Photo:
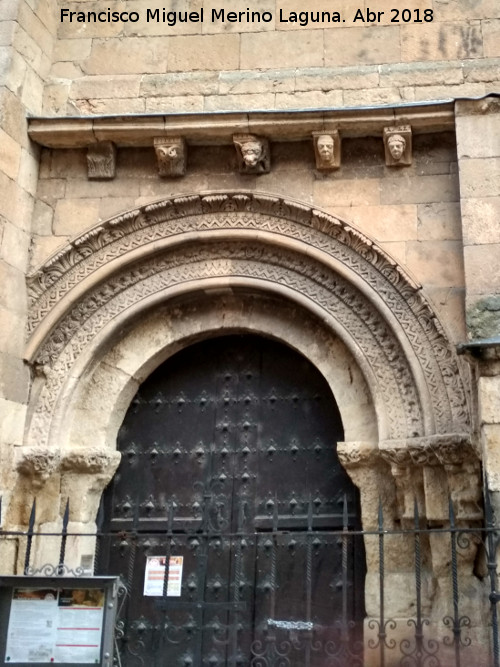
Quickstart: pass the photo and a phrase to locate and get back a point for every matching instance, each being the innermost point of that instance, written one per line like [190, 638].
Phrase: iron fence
[456, 626]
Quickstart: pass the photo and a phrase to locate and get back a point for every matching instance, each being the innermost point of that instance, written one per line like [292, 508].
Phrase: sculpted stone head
[326, 146]
[397, 146]
[253, 154]
[327, 150]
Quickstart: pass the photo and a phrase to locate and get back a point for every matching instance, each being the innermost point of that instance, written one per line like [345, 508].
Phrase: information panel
[59, 621]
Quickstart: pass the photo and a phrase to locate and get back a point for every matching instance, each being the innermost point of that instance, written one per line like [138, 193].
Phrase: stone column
[395, 474]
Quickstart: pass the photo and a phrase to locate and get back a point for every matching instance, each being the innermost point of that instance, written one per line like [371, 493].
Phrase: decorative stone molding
[38, 465]
[171, 153]
[101, 160]
[92, 285]
[253, 153]
[398, 148]
[327, 150]
[209, 128]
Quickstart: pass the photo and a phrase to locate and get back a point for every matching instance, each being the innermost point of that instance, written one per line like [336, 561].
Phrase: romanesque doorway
[229, 474]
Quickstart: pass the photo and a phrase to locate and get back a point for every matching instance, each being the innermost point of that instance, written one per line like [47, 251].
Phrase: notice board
[57, 620]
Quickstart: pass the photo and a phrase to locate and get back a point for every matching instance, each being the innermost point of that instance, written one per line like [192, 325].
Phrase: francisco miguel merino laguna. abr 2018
[172, 18]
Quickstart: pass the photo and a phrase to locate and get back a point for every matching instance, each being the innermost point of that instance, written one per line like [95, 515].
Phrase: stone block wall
[27, 32]
[140, 67]
[478, 136]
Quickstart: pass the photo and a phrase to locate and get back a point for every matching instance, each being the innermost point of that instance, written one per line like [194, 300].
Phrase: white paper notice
[155, 575]
[32, 626]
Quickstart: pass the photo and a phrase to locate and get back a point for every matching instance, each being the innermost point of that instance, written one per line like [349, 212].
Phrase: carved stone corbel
[171, 153]
[37, 465]
[85, 473]
[327, 150]
[398, 146]
[253, 154]
[101, 160]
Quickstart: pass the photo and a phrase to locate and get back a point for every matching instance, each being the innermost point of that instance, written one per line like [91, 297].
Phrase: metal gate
[229, 471]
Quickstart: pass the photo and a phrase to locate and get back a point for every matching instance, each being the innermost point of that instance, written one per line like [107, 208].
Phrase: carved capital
[357, 454]
[171, 153]
[395, 452]
[38, 465]
[398, 146]
[327, 150]
[85, 475]
[91, 461]
[101, 160]
[446, 449]
[253, 154]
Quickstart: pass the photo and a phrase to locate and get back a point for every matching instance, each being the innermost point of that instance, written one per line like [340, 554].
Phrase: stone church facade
[333, 187]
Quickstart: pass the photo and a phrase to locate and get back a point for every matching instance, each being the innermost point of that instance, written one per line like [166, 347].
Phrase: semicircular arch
[108, 277]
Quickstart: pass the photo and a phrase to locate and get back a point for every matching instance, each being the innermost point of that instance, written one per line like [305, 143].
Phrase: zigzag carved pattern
[358, 317]
[245, 211]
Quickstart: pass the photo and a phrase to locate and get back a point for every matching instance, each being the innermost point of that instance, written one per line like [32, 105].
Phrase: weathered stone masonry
[323, 208]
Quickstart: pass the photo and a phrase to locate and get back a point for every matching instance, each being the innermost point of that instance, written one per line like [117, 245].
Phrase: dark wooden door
[229, 461]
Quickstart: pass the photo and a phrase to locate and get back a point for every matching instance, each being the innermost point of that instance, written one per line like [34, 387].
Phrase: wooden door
[229, 463]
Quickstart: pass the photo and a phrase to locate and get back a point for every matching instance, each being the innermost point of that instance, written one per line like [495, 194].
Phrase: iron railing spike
[99, 520]
[32, 516]
[66, 517]
[64, 536]
[451, 512]
[416, 515]
[31, 526]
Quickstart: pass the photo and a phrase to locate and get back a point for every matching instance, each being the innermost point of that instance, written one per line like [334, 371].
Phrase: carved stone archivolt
[108, 276]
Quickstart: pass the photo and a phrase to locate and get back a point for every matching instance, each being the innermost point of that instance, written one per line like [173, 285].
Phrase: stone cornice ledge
[218, 127]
